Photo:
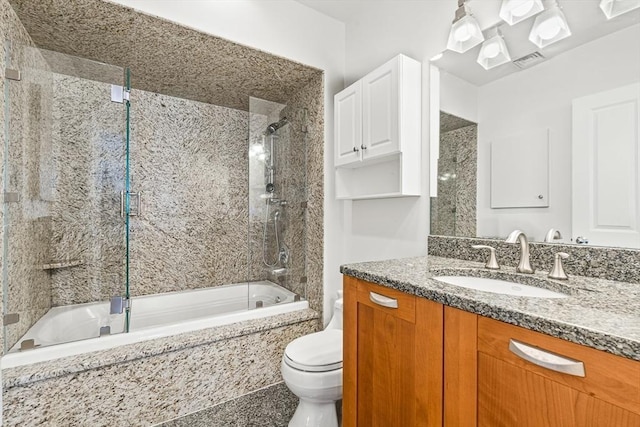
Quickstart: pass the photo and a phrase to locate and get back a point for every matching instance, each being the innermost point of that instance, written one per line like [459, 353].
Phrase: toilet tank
[336, 319]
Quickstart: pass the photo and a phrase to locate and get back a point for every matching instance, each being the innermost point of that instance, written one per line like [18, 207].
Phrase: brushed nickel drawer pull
[546, 359]
[383, 301]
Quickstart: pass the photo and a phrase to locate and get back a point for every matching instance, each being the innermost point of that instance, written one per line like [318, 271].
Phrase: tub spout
[518, 236]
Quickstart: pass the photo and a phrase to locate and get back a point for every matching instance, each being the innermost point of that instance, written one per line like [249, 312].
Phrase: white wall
[285, 28]
[540, 97]
[458, 97]
[394, 228]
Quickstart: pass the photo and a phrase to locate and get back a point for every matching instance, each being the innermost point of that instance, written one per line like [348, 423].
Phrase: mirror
[535, 107]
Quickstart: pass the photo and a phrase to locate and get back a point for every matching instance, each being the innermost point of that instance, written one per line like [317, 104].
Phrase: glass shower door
[66, 199]
[277, 201]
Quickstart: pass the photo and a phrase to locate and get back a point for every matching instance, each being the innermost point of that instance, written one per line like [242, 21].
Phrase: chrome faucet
[524, 266]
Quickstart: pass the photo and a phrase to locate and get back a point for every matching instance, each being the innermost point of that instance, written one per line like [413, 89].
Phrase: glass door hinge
[12, 74]
[8, 197]
[119, 304]
[10, 319]
[119, 94]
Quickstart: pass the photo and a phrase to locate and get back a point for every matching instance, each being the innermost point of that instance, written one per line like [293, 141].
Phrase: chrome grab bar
[547, 359]
[383, 301]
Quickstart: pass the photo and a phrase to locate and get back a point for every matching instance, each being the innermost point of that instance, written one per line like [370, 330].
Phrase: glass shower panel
[277, 200]
[64, 171]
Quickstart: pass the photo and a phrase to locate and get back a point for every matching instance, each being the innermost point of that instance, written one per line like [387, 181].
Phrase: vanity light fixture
[465, 32]
[514, 11]
[613, 8]
[549, 27]
[493, 52]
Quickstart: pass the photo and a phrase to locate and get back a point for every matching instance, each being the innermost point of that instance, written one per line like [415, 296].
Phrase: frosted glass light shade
[493, 53]
[514, 11]
[613, 8]
[465, 34]
[549, 27]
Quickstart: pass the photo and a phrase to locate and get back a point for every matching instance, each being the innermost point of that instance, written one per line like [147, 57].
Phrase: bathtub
[75, 329]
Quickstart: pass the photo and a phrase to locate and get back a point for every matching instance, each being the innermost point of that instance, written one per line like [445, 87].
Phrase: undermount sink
[499, 286]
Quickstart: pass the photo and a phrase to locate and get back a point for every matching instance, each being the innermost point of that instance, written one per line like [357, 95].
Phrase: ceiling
[585, 19]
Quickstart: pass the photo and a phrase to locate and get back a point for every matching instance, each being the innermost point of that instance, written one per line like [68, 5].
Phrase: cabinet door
[392, 358]
[523, 381]
[348, 124]
[488, 383]
[509, 395]
[381, 112]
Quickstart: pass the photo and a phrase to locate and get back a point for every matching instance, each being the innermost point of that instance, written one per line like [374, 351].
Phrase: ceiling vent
[529, 60]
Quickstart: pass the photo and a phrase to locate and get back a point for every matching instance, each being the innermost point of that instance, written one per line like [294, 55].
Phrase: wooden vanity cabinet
[489, 383]
[392, 358]
[410, 362]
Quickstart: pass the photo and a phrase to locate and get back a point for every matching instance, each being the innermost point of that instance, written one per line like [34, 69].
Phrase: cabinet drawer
[608, 377]
[393, 302]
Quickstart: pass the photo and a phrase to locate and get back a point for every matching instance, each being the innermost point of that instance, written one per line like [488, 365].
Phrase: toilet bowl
[312, 369]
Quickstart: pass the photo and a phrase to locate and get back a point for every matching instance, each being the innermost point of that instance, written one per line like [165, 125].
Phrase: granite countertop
[602, 314]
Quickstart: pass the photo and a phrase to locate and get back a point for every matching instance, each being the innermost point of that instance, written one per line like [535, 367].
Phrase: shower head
[273, 127]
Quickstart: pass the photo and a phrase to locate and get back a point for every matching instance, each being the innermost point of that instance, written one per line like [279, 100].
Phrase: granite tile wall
[453, 212]
[599, 262]
[152, 389]
[29, 148]
[190, 161]
[192, 183]
[308, 108]
[165, 57]
[299, 161]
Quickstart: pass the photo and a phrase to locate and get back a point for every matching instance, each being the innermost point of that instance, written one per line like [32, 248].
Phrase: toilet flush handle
[383, 301]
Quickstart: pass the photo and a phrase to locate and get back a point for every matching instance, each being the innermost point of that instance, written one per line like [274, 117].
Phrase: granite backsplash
[620, 264]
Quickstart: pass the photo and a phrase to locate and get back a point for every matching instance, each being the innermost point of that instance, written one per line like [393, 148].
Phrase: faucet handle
[558, 271]
[492, 264]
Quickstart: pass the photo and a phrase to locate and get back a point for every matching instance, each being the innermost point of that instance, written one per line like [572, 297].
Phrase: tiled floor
[269, 407]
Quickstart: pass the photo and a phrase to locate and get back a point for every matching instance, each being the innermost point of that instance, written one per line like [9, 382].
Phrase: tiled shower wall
[29, 221]
[453, 212]
[189, 161]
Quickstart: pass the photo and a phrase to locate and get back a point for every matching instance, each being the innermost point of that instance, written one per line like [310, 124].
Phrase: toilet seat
[318, 352]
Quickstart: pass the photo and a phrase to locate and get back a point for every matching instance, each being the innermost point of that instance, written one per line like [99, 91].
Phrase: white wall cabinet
[377, 133]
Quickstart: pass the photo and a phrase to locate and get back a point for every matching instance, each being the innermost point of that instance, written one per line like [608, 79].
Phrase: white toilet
[312, 369]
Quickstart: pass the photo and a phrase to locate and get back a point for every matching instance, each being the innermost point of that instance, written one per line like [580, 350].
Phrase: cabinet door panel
[619, 385]
[348, 125]
[381, 111]
[386, 346]
[512, 396]
[392, 359]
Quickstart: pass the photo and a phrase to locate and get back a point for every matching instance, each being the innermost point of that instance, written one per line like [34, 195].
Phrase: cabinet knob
[355, 149]
[363, 147]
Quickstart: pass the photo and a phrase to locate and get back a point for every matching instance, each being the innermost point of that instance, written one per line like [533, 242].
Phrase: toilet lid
[319, 352]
